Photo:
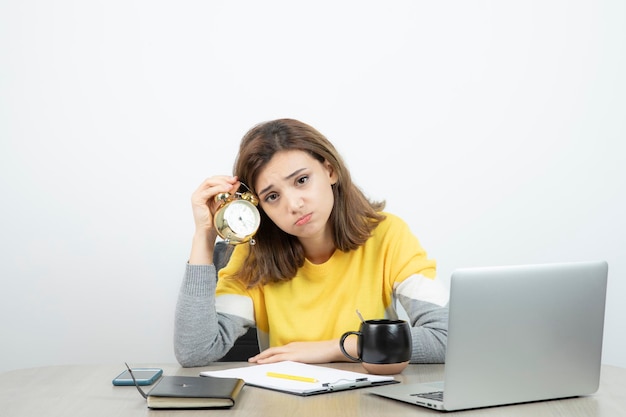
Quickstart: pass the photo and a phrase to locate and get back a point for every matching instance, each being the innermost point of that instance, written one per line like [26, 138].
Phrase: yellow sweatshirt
[320, 302]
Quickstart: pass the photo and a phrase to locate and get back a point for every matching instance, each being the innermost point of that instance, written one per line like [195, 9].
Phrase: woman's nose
[295, 202]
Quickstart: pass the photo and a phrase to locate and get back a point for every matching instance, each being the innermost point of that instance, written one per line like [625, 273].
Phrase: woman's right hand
[204, 206]
[203, 201]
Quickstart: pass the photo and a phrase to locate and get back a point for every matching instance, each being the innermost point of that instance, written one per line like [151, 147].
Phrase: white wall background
[496, 129]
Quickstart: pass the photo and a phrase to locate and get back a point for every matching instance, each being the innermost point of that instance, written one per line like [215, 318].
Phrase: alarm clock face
[242, 217]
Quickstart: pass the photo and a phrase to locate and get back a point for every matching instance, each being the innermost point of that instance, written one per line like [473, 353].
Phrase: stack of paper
[301, 379]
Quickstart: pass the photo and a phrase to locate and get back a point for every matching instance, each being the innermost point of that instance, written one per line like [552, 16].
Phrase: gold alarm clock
[237, 218]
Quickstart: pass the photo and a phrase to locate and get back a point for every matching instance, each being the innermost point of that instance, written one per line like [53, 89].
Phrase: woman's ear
[332, 173]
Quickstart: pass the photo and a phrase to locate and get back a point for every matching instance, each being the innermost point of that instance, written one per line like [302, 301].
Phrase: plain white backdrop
[495, 129]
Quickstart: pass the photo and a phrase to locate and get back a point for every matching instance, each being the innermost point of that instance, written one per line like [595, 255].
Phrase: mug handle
[343, 350]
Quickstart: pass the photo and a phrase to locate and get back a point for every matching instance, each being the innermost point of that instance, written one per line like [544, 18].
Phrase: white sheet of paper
[257, 375]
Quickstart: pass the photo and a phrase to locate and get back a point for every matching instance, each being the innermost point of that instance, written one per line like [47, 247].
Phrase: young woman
[322, 252]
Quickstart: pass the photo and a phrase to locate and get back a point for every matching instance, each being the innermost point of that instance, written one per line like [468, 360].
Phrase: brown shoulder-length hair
[277, 255]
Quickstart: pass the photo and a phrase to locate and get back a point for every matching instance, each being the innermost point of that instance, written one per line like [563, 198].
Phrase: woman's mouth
[304, 219]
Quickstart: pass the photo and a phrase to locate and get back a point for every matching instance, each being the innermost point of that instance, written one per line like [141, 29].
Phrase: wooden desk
[86, 390]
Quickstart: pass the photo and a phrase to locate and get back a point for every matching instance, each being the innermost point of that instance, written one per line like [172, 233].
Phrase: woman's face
[295, 191]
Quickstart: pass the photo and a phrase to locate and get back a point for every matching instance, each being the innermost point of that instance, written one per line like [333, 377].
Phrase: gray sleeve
[201, 335]
[429, 330]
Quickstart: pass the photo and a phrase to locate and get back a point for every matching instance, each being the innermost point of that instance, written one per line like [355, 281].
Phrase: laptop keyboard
[435, 395]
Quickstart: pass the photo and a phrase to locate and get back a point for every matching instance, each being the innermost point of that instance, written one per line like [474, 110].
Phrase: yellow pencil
[292, 377]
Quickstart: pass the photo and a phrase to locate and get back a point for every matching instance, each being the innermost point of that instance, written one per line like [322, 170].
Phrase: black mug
[383, 346]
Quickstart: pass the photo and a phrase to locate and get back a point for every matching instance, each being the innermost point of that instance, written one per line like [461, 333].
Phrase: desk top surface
[86, 390]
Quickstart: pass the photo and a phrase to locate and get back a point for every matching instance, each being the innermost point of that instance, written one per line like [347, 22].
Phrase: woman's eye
[302, 180]
[271, 197]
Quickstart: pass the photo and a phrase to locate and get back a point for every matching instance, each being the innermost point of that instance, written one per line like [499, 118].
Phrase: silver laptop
[518, 334]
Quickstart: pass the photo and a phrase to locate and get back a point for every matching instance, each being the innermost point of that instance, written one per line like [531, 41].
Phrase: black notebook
[194, 392]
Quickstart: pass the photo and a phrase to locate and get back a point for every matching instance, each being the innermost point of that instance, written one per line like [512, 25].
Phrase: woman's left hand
[306, 352]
